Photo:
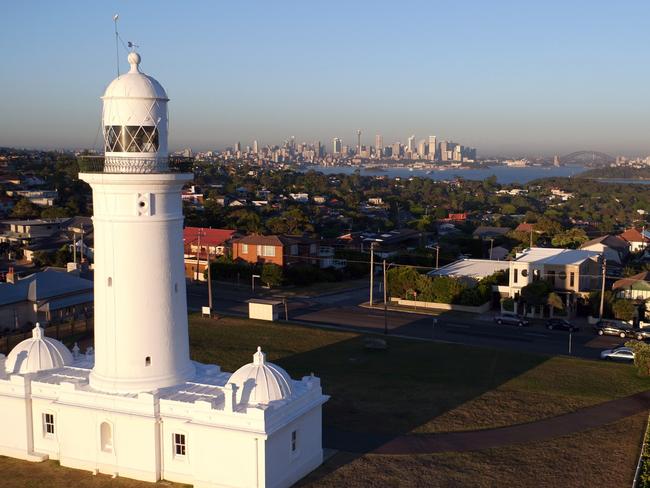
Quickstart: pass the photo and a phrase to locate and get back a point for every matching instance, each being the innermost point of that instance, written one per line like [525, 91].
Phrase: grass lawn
[418, 386]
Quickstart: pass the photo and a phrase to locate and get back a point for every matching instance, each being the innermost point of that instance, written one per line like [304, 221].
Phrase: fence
[57, 331]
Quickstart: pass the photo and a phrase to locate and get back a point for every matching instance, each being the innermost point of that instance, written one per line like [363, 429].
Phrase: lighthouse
[141, 336]
[136, 406]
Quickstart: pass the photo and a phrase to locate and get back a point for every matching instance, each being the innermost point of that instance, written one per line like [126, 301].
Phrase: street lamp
[491, 244]
[437, 248]
[386, 268]
[253, 281]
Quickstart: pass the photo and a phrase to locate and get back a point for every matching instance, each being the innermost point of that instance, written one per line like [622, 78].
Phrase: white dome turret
[37, 354]
[260, 383]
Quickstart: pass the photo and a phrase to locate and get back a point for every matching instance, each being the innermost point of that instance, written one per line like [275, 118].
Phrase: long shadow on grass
[377, 395]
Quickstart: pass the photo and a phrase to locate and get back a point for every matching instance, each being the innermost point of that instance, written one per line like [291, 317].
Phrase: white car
[618, 354]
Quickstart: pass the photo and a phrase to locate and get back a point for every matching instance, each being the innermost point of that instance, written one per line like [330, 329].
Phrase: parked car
[517, 320]
[561, 324]
[606, 327]
[618, 354]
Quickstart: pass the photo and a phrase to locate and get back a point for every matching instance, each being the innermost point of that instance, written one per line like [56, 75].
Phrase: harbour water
[504, 174]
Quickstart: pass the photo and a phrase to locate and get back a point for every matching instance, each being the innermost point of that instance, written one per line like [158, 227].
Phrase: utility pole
[437, 255]
[491, 245]
[198, 253]
[372, 270]
[384, 265]
[531, 235]
[81, 246]
[602, 289]
[209, 284]
[74, 247]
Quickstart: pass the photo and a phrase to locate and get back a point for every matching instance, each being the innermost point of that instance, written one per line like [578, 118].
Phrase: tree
[571, 238]
[641, 357]
[537, 292]
[623, 309]
[272, 274]
[555, 301]
[24, 209]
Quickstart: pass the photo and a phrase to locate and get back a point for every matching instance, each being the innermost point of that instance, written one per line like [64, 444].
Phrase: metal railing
[134, 165]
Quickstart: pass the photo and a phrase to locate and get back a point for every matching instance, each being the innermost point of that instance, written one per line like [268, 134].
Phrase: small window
[269, 251]
[572, 279]
[48, 424]
[179, 444]
[260, 250]
[524, 273]
[106, 437]
[294, 249]
[147, 361]
[110, 281]
[294, 441]
[244, 248]
[515, 275]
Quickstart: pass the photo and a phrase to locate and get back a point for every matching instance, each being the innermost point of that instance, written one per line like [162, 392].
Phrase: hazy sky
[504, 76]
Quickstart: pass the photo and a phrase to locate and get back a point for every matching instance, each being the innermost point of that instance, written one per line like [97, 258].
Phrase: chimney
[11, 276]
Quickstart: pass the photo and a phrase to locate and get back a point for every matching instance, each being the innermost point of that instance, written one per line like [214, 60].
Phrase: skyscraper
[336, 145]
[379, 144]
[238, 147]
[410, 145]
[433, 148]
[422, 148]
[358, 141]
[255, 147]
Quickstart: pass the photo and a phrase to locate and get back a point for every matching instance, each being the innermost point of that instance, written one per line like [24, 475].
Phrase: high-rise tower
[141, 337]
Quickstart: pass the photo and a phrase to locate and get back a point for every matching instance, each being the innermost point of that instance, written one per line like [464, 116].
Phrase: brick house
[276, 249]
[198, 244]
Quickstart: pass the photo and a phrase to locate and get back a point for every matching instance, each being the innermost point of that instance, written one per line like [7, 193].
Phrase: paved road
[578, 421]
[342, 309]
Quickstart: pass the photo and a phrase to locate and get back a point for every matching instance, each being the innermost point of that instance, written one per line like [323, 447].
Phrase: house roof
[261, 240]
[471, 268]
[633, 235]
[484, 230]
[615, 242]
[632, 280]
[43, 285]
[543, 255]
[209, 237]
[525, 227]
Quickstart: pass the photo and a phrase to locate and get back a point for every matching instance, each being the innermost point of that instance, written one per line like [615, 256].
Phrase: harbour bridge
[591, 157]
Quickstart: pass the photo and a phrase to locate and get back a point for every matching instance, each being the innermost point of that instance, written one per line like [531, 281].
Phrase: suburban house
[613, 248]
[638, 242]
[572, 272]
[635, 287]
[24, 231]
[47, 296]
[201, 243]
[276, 249]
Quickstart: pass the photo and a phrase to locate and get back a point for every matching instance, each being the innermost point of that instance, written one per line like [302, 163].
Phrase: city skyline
[508, 79]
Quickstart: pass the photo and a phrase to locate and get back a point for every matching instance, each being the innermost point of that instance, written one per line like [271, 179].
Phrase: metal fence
[59, 331]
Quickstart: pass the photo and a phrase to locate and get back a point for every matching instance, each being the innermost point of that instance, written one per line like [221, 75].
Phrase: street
[343, 310]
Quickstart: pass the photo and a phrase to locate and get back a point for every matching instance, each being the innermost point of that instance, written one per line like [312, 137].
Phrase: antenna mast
[117, 52]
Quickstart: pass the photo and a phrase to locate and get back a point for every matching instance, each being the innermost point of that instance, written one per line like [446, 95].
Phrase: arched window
[106, 437]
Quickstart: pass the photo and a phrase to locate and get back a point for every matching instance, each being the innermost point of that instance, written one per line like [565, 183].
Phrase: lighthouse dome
[37, 354]
[260, 383]
[135, 84]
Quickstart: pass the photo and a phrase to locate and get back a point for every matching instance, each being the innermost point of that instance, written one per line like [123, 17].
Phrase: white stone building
[137, 406]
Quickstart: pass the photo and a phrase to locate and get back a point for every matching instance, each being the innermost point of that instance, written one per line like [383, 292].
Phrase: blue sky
[507, 77]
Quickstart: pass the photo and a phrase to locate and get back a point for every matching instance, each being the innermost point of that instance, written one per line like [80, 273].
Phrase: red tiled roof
[209, 237]
[630, 280]
[633, 235]
[525, 227]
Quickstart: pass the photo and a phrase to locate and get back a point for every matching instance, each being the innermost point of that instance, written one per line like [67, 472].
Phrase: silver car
[618, 354]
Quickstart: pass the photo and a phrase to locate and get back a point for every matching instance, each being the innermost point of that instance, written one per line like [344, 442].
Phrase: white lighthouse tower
[137, 406]
[141, 339]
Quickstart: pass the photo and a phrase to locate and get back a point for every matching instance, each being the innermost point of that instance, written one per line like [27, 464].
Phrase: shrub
[623, 309]
[641, 357]
[271, 274]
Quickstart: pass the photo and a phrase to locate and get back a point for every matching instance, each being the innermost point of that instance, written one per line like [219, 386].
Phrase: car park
[618, 354]
[561, 324]
[511, 319]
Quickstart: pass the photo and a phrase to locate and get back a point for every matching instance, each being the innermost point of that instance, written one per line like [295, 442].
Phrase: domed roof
[135, 84]
[37, 353]
[260, 382]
